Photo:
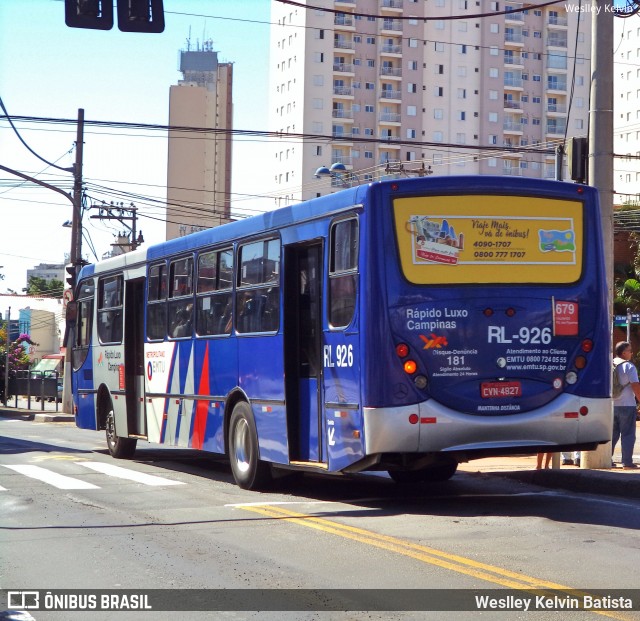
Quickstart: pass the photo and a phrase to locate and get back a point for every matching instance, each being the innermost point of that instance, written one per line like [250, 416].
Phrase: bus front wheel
[120, 448]
[433, 474]
[248, 471]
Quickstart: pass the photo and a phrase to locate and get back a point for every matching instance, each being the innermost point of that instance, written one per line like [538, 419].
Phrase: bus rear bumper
[430, 427]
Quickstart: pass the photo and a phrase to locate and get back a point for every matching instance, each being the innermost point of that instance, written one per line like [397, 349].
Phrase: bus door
[303, 363]
[134, 356]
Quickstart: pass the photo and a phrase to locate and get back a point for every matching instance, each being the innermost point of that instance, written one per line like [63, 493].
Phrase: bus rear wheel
[432, 474]
[248, 471]
[120, 448]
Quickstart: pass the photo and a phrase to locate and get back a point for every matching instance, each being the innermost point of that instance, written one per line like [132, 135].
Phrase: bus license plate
[490, 390]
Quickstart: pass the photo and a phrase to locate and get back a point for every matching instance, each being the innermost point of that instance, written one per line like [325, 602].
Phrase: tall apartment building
[199, 163]
[626, 111]
[471, 90]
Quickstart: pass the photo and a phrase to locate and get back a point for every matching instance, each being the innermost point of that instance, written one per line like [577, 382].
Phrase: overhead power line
[275, 134]
[524, 7]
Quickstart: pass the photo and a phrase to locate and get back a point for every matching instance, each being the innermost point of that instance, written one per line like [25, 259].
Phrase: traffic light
[133, 15]
[71, 278]
[96, 14]
[578, 159]
[140, 15]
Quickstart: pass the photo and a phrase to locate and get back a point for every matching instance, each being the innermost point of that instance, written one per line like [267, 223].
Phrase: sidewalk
[611, 482]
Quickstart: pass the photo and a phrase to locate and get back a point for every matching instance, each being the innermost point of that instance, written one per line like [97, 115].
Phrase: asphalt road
[173, 519]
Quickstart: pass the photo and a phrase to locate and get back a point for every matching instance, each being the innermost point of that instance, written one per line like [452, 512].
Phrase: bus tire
[433, 474]
[248, 471]
[120, 448]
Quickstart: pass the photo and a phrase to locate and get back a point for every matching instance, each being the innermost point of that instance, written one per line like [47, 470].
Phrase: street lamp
[338, 171]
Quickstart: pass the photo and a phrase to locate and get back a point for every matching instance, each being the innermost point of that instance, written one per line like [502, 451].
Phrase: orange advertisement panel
[489, 239]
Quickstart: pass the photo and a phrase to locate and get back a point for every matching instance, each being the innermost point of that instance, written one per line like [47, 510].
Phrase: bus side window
[156, 302]
[214, 302]
[343, 276]
[180, 307]
[258, 300]
[83, 324]
[110, 302]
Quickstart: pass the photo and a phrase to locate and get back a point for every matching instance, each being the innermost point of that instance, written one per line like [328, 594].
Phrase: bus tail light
[487, 312]
[580, 362]
[587, 345]
[410, 367]
[571, 377]
[402, 349]
[510, 312]
[584, 410]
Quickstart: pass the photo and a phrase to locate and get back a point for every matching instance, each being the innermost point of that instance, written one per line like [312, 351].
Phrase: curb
[604, 482]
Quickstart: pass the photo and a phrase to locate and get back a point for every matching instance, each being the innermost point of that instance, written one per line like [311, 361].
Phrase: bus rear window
[489, 239]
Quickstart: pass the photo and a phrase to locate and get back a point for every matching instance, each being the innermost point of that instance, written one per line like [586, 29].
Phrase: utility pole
[601, 162]
[6, 364]
[76, 221]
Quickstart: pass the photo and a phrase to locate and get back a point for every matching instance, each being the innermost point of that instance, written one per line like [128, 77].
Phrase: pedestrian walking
[624, 405]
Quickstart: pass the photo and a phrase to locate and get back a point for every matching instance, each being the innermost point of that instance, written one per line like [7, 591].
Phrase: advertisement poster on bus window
[480, 238]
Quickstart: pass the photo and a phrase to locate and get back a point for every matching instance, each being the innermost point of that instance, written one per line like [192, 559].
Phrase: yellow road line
[425, 554]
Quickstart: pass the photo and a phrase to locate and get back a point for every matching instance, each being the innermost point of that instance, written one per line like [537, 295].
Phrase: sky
[48, 70]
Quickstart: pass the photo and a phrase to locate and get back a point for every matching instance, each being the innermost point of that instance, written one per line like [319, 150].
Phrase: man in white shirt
[624, 407]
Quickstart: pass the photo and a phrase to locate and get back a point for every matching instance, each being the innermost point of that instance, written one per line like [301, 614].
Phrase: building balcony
[342, 113]
[557, 21]
[343, 136]
[512, 171]
[343, 68]
[343, 21]
[395, 5]
[390, 117]
[347, 160]
[513, 105]
[556, 129]
[559, 86]
[391, 72]
[388, 137]
[350, 2]
[391, 49]
[554, 40]
[513, 60]
[343, 91]
[512, 127]
[393, 25]
[388, 94]
[514, 17]
[343, 44]
[514, 38]
[557, 109]
[513, 83]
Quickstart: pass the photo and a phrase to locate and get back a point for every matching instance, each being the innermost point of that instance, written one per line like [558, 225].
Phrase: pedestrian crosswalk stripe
[48, 476]
[126, 473]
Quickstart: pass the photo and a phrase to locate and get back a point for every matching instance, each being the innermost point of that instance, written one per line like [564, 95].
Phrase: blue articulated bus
[403, 325]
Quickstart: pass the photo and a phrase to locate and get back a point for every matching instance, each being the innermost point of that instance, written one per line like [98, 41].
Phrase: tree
[18, 356]
[39, 286]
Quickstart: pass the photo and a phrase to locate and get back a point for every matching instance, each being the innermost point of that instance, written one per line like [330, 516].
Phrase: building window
[438, 91]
